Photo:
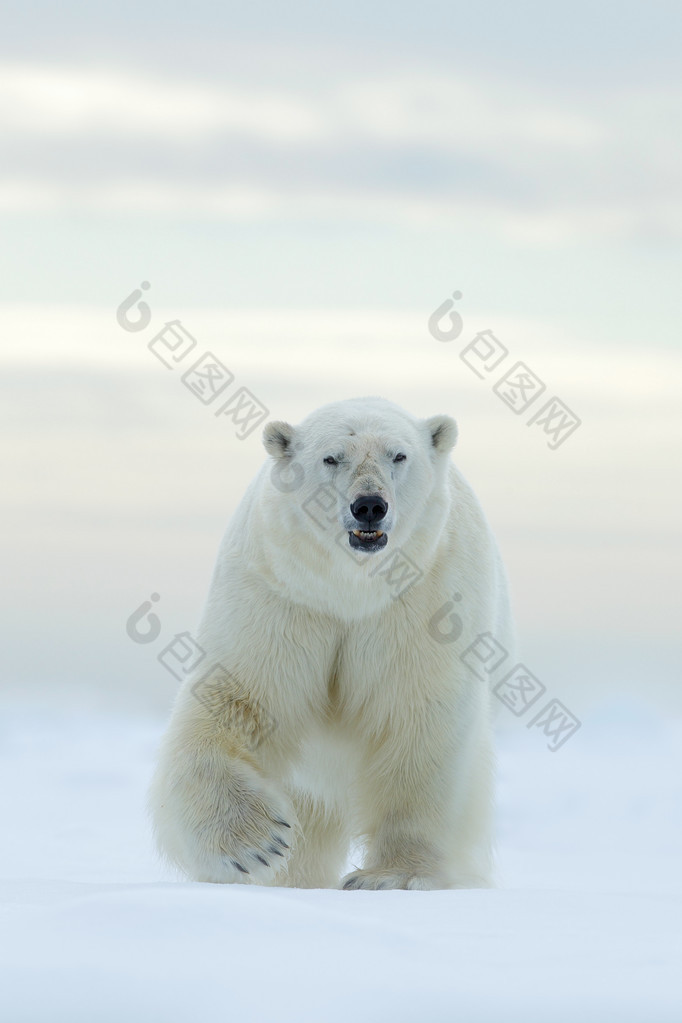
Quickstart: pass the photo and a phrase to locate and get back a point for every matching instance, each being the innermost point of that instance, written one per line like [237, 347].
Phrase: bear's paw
[375, 880]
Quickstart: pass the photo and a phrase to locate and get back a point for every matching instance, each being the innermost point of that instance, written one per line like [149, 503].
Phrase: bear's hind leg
[425, 799]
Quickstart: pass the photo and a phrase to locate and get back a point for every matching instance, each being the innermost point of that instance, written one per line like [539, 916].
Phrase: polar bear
[332, 709]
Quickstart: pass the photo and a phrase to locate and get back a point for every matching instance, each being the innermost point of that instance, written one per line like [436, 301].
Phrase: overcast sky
[303, 185]
[371, 155]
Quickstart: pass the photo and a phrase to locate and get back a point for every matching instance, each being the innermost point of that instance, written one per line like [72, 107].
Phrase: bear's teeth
[376, 533]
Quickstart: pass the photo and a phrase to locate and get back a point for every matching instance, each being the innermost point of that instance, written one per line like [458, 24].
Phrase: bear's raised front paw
[228, 826]
[256, 859]
[374, 880]
[250, 842]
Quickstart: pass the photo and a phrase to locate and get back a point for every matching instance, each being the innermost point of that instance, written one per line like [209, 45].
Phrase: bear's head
[366, 474]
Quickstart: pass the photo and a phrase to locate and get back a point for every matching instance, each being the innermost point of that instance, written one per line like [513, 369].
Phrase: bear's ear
[278, 438]
[443, 432]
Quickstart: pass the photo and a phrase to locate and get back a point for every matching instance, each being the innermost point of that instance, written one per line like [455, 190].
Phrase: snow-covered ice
[586, 924]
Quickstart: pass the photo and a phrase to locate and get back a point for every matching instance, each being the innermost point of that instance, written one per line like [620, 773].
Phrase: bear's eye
[330, 460]
[400, 457]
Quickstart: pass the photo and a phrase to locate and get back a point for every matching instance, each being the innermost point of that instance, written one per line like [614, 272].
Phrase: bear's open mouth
[362, 540]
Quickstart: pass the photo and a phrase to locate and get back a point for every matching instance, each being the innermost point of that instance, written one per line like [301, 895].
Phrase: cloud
[418, 149]
[71, 102]
[442, 112]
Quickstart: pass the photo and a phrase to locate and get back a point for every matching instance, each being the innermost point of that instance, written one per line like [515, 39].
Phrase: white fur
[376, 730]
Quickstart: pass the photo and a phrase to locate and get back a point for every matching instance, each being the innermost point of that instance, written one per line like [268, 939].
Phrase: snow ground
[586, 924]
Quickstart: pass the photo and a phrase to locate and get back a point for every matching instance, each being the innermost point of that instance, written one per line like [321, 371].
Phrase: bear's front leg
[425, 802]
[216, 814]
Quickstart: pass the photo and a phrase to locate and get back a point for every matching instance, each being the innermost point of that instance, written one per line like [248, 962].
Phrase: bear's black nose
[369, 510]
